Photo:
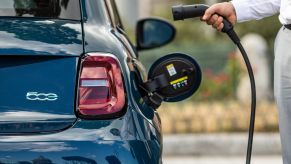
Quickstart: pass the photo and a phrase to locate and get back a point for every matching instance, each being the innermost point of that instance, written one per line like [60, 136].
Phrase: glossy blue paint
[25, 77]
[129, 139]
[53, 135]
[40, 37]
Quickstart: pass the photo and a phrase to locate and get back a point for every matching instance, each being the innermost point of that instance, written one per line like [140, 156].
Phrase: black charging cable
[190, 11]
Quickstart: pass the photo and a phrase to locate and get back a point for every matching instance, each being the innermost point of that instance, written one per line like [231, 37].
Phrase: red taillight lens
[101, 89]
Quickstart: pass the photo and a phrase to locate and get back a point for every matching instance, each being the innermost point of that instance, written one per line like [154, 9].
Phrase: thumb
[209, 12]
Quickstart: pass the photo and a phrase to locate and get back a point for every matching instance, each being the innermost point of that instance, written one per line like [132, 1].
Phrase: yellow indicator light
[179, 80]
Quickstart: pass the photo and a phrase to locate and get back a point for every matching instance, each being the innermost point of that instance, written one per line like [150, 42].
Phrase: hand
[214, 15]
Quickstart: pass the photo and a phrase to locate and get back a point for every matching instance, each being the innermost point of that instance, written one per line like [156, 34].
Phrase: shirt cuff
[242, 9]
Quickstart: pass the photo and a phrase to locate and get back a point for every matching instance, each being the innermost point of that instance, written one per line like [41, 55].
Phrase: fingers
[220, 27]
[211, 16]
[216, 21]
[210, 12]
[212, 20]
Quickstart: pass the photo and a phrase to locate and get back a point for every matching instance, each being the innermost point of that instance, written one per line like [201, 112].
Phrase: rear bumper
[130, 139]
[112, 152]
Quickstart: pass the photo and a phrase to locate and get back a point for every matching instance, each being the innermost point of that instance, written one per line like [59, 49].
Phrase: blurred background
[212, 124]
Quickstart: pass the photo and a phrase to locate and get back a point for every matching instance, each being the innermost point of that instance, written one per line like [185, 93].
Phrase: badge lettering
[35, 96]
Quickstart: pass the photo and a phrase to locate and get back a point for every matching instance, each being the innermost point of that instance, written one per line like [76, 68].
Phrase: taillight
[101, 90]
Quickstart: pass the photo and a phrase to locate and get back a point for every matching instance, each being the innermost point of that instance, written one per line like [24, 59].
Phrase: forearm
[255, 9]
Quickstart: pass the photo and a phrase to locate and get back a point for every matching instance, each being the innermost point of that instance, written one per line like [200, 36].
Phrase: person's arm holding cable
[244, 10]
[240, 11]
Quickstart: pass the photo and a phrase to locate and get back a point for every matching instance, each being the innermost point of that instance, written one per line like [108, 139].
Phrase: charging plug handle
[182, 12]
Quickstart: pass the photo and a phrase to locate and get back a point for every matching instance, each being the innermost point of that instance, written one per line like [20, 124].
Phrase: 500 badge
[35, 96]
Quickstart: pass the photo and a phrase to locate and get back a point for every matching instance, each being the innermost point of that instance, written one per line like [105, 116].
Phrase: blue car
[72, 86]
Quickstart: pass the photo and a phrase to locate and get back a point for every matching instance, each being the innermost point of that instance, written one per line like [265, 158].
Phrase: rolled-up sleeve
[255, 9]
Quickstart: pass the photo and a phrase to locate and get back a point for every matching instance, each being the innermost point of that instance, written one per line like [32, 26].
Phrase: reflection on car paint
[89, 139]
[21, 35]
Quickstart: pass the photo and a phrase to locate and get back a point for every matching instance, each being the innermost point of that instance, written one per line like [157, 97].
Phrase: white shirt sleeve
[285, 15]
[255, 9]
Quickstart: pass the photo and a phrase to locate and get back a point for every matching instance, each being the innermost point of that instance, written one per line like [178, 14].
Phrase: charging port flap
[172, 78]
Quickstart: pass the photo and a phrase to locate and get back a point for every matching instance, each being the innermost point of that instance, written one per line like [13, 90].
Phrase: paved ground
[221, 149]
[191, 145]
[222, 160]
